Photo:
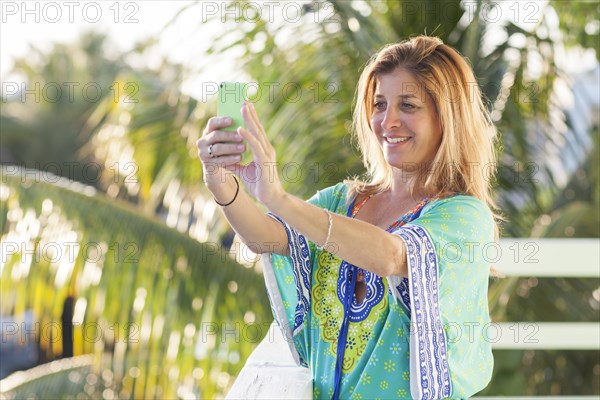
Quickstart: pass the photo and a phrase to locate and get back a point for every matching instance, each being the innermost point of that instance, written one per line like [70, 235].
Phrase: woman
[380, 284]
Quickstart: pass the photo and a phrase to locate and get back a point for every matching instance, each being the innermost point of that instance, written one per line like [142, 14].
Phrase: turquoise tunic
[418, 337]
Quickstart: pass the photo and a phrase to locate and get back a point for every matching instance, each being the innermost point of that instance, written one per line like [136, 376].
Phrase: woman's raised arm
[220, 153]
[348, 237]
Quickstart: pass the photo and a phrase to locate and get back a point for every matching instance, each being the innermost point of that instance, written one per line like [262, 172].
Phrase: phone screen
[231, 97]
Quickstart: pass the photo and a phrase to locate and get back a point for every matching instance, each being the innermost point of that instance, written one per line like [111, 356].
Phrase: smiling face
[405, 120]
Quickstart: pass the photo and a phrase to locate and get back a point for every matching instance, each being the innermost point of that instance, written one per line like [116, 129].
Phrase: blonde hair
[465, 160]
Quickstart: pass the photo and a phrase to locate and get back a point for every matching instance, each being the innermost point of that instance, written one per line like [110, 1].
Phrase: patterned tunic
[422, 337]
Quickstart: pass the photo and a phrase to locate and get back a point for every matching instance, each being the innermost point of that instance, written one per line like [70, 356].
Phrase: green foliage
[580, 23]
[32, 135]
[152, 303]
[124, 112]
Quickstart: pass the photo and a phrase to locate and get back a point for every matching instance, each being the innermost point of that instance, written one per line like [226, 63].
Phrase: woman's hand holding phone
[217, 149]
[221, 147]
[221, 153]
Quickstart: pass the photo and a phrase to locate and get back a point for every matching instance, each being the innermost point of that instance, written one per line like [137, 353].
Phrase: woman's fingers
[253, 142]
[220, 153]
[215, 123]
[219, 143]
[221, 136]
[250, 124]
[225, 149]
[224, 161]
[253, 123]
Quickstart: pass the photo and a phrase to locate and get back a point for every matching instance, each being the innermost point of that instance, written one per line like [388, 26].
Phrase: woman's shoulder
[339, 189]
[459, 215]
[334, 191]
[459, 204]
[331, 196]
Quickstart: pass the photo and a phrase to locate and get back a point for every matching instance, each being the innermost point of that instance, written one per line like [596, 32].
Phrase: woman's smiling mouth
[394, 140]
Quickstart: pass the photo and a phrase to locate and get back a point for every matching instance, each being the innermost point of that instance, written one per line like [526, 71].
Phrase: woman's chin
[407, 166]
[397, 161]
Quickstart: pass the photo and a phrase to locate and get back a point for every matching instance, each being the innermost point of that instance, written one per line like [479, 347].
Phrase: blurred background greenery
[160, 291]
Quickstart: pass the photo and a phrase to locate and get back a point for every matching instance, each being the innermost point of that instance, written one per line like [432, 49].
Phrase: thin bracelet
[237, 190]
[329, 225]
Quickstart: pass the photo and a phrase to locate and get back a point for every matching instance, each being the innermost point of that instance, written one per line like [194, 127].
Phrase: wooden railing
[270, 372]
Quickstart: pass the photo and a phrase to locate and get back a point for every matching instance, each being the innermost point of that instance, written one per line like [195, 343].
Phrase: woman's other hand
[260, 176]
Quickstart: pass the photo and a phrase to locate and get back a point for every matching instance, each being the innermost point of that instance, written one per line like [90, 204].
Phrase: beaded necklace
[401, 221]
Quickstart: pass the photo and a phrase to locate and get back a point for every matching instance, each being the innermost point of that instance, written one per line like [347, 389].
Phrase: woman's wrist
[223, 189]
[237, 190]
[215, 177]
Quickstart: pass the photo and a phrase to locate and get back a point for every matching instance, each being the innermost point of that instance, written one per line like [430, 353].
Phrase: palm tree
[162, 312]
[134, 141]
[68, 82]
[130, 276]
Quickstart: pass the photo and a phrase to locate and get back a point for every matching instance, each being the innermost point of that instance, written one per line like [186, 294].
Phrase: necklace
[358, 206]
[409, 216]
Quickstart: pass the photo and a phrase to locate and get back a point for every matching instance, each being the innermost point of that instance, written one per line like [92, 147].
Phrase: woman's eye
[407, 106]
[379, 106]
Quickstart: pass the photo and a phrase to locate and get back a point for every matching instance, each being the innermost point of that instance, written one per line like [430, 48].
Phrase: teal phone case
[231, 97]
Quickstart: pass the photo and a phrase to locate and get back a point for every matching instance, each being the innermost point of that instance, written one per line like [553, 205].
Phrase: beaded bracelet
[237, 190]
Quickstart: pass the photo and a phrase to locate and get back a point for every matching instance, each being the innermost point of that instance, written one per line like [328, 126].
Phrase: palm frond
[147, 298]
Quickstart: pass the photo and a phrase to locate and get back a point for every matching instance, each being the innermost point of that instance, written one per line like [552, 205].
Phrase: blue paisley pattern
[375, 291]
[429, 338]
[300, 255]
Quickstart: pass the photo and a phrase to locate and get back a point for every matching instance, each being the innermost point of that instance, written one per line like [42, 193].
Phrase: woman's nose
[391, 120]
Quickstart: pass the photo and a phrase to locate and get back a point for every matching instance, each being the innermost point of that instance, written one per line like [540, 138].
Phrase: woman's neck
[400, 188]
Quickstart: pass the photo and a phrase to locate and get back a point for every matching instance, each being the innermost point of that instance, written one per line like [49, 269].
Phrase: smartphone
[231, 97]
